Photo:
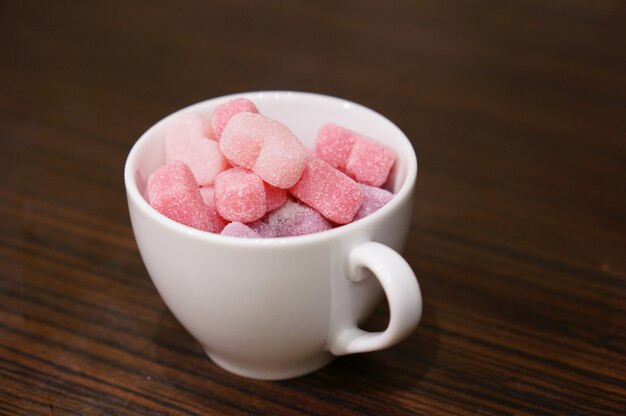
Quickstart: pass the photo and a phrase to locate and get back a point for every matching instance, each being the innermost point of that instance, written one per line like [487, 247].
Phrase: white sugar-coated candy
[265, 146]
[240, 141]
[189, 139]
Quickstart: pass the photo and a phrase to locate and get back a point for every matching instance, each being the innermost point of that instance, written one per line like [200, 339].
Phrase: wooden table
[517, 111]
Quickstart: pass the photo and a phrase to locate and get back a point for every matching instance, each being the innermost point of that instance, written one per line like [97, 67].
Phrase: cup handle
[403, 295]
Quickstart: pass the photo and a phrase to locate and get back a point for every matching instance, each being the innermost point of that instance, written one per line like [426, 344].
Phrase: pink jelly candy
[334, 144]
[327, 190]
[224, 112]
[282, 158]
[188, 139]
[366, 160]
[173, 191]
[274, 197]
[295, 218]
[370, 162]
[240, 195]
[240, 141]
[264, 146]
[374, 198]
[237, 229]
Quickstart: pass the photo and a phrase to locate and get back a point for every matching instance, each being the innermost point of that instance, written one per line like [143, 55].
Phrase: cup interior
[304, 114]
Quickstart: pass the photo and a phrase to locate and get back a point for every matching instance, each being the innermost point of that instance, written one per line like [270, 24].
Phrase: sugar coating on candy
[294, 219]
[327, 190]
[364, 159]
[374, 198]
[242, 138]
[224, 112]
[190, 124]
[370, 161]
[237, 229]
[240, 195]
[338, 184]
[173, 191]
[187, 139]
[274, 197]
[282, 158]
[265, 146]
[333, 144]
[263, 228]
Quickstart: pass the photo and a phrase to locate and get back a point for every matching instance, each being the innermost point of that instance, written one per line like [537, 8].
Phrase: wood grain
[517, 110]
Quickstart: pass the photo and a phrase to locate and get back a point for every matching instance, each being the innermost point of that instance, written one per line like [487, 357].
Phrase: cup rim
[135, 196]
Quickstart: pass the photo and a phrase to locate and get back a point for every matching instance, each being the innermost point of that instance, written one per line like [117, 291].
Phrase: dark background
[516, 109]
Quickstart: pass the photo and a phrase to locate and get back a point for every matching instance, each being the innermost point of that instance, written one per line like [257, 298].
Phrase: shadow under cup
[273, 308]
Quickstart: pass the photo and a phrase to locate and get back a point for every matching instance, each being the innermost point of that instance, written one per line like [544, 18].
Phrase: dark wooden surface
[517, 111]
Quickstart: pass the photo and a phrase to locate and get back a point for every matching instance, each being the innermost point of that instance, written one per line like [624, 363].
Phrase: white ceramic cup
[283, 307]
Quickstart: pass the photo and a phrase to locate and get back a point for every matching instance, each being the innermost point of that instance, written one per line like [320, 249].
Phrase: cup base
[264, 372]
